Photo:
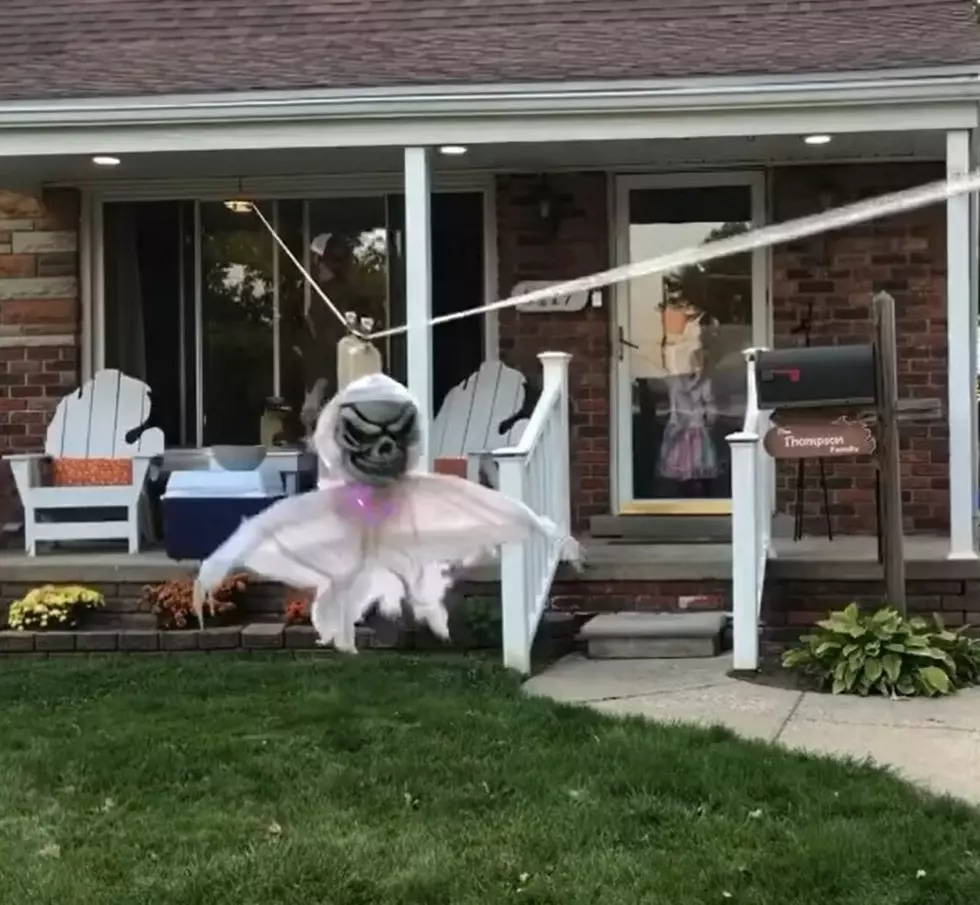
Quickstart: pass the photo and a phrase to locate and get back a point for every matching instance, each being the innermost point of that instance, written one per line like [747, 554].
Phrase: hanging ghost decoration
[377, 530]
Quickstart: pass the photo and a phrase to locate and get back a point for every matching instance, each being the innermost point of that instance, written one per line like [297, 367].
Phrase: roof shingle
[93, 48]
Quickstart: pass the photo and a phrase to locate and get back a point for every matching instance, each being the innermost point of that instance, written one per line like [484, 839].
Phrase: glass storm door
[680, 335]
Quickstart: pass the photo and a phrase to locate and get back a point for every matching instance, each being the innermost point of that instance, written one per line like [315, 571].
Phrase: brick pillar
[838, 273]
[39, 319]
[527, 250]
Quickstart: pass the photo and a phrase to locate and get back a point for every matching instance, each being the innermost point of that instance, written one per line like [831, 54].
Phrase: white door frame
[621, 422]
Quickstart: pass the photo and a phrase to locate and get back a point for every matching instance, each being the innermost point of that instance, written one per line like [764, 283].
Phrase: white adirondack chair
[468, 423]
[91, 423]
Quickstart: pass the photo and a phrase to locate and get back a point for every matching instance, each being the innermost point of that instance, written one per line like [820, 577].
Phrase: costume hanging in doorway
[687, 452]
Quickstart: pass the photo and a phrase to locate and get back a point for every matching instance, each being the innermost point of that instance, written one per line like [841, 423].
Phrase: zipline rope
[761, 237]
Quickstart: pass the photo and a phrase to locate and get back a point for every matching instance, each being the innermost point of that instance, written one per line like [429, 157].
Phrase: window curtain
[125, 329]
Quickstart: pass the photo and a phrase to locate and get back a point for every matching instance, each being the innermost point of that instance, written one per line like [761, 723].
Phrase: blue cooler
[202, 509]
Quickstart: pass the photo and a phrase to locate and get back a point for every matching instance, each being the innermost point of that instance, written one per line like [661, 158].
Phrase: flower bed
[172, 602]
[52, 608]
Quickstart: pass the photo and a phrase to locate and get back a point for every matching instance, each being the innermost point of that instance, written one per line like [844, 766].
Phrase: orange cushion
[451, 465]
[91, 472]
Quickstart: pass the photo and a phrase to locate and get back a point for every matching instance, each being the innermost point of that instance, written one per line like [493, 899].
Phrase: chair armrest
[143, 466]
[26, 469]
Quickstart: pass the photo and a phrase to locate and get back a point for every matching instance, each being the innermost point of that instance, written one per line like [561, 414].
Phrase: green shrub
[476, 622]
[883, 653]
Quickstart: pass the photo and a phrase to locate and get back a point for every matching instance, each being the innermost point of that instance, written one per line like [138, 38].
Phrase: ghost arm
[442, 518]
[300, 541]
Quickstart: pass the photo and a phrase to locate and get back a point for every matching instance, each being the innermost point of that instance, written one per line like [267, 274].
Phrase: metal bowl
[238, 458]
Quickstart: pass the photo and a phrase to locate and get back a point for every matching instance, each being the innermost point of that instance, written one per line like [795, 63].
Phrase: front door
[680, 335]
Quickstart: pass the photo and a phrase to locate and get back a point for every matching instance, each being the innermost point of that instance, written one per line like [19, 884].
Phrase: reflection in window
[687, 329]
[348, 257]
[288, 375]
[237, 313]
[182, 277]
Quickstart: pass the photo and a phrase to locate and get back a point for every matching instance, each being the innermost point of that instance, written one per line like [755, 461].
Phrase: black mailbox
[816, 377]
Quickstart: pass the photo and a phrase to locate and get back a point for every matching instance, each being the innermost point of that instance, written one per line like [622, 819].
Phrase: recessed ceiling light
[817, 139]
[105, 160]
[453, 150]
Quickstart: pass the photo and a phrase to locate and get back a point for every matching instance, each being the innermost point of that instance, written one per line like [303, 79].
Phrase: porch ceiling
[643, 155]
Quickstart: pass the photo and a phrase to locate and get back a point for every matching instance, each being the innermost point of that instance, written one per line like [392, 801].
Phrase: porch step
[662, 529]
[653, 636]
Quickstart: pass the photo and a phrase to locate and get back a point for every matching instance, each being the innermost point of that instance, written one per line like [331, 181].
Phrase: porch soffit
[289, 130]
[328, 172]
[325, 172]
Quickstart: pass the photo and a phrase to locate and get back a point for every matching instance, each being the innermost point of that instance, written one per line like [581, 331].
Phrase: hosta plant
[52, 607]
[881, 652]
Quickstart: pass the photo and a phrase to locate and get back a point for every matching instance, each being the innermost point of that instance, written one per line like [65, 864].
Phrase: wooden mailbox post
[842, 401]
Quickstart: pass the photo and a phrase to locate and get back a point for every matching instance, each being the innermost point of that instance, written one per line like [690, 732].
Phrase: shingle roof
[88, 48]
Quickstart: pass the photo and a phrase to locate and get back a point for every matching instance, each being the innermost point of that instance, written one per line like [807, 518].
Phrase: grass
[387, 779]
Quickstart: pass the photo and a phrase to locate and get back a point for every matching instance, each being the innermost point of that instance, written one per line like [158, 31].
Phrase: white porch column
[418, 288]
[975, 302]
[961, 331]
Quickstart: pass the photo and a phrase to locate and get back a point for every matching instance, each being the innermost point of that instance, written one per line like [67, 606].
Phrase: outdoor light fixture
[104, 160]
[453, 150]
[817, 139]
[239, 206]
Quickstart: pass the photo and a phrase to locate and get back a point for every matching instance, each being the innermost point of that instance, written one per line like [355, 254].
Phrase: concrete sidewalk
[933, 742]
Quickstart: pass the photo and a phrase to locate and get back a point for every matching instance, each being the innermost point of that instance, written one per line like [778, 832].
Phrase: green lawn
[390, 779]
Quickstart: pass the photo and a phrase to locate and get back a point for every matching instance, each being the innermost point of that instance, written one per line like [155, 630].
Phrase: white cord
[313, 283]
[814, 224]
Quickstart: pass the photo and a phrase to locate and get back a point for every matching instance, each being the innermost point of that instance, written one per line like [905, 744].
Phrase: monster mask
[368, 433]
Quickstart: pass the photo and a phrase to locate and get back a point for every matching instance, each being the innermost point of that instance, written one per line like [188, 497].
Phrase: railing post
[554, 366]
[749, 509]
[514, 603]
[745, 551]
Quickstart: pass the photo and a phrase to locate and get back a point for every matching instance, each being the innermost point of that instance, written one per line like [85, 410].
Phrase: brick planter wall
[39, 319]
[125, 624]
[790, 608]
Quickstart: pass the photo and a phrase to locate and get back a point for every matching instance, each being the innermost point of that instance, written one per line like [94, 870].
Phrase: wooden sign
[577, 301]
[812, 439]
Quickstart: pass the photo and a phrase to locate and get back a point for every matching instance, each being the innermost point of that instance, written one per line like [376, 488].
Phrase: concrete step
[653, 636]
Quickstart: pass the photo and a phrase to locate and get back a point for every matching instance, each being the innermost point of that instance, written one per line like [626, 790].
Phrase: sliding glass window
[201, 304]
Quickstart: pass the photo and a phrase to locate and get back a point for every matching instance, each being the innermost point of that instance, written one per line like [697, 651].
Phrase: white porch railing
[752, 508]
[536, 472]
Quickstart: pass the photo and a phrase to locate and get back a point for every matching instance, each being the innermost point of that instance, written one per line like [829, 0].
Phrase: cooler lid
[225, 484]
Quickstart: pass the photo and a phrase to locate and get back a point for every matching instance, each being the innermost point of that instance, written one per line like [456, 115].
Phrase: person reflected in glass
[334, 267]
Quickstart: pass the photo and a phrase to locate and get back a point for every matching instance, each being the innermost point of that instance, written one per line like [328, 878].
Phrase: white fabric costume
[356, 542]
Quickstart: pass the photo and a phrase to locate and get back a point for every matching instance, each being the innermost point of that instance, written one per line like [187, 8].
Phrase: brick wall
[790, 608]
[527, 250]
[838, 273]
[39, 319]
